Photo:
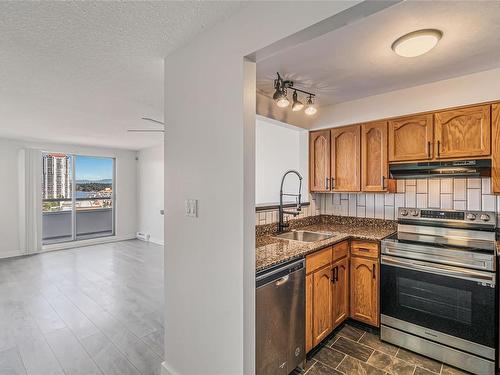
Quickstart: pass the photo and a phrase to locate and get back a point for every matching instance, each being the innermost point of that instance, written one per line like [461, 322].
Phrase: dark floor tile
[329, 356]
[419, 360]
[421, 371]
[448, 370]
[351, 332]
[374, 342]
[321, 369]
[352, 348]
[391, 365]
[352, 366]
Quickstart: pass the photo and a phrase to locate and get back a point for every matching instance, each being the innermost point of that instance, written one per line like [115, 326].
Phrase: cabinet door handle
[383, 182]
[337, 273]
[373, 271]
[429, 148]
[326, 183]
[332, 185]
[333, 275]
[439, 147]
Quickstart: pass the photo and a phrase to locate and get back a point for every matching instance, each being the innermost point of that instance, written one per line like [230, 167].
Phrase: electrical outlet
[191, 207]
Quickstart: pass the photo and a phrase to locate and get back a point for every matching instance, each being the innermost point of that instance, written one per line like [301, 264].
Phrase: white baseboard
[156, 241]
[12, 254]
[152, 240]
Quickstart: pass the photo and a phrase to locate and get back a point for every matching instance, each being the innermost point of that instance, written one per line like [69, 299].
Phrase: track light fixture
[281, 99]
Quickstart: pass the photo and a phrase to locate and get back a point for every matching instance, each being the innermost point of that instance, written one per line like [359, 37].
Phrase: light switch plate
[191, 207]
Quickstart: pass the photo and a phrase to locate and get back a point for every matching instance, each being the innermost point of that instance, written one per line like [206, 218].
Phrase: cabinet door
[341, 292]
[495, 124]
[309, 312]
[319, 161]
[374, 156]
[322, 304]
[345, 159]
[463, 132]
[410, 138]
[364, 290]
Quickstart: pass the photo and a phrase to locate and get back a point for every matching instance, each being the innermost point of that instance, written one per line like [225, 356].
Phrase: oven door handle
[486, 278]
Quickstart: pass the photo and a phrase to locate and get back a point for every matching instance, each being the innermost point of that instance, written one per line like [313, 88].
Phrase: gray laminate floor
[91, 310]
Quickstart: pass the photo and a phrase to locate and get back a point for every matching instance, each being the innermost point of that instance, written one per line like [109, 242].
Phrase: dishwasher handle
[283, 280]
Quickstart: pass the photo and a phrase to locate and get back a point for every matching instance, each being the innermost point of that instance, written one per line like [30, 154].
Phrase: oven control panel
[479, 217]
[446, 215]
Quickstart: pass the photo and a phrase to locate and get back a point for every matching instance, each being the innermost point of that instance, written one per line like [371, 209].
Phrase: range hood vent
[441, 169]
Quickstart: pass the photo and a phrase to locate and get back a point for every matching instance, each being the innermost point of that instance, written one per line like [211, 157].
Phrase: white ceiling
[84, 72]
[357, 61]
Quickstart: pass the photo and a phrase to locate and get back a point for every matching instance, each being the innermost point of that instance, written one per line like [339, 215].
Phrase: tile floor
[354, 351]
[91, 310]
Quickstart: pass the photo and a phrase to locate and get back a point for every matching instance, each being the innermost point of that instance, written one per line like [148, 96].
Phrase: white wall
[12, 190]
[469, 89]
[279, 147]
[150, 175]
[209, 156]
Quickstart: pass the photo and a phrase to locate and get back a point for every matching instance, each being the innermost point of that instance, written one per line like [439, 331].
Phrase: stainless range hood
[441, 169]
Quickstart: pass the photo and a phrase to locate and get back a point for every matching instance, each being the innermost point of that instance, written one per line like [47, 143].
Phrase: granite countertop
[271, 250]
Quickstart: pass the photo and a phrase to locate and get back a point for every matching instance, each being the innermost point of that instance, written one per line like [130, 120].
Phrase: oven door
[452, 300]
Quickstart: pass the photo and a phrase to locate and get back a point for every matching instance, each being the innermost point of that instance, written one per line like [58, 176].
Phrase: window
[78, 198]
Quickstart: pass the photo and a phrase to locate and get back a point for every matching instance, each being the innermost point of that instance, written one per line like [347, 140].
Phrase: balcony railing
[91, 221]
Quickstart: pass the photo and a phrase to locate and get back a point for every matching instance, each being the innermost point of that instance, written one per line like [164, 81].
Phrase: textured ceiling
[84, 72]
[357, 61]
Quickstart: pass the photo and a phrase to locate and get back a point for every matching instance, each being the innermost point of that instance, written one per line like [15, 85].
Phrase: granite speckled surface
[271, 250]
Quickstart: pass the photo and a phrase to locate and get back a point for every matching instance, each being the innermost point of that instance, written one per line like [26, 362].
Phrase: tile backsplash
[446, 193]
[271, 216]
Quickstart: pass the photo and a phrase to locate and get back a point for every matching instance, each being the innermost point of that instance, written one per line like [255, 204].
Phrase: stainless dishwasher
[280, 319]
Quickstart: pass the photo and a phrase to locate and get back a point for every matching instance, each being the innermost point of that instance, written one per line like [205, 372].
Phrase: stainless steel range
[438, 287]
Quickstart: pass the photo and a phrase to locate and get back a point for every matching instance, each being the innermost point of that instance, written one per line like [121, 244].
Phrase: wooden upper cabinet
[374, 165]
[495, 137]
[322, 316]
[463, 132]
[319, 160]
[364, 290]
[410, 138]
[345, 158]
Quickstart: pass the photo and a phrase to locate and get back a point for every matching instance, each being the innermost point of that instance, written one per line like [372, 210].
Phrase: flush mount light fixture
[417, 42]
[281, 99]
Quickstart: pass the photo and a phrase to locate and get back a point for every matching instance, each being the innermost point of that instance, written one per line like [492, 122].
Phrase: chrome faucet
[281, 223]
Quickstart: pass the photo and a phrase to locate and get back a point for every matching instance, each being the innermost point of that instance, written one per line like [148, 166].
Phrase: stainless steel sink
[304, 236]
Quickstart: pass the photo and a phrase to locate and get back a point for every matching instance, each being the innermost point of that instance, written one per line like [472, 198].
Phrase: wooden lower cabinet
[322, 304]
[340, 291]
[364, 290]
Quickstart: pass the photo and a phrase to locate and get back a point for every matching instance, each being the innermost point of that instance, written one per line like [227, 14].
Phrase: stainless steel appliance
[280, 319]
[437, 288]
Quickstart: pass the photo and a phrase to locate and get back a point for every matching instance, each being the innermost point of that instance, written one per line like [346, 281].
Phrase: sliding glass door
[78, 199]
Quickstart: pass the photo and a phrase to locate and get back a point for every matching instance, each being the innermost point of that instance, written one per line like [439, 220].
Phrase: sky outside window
[88, 168]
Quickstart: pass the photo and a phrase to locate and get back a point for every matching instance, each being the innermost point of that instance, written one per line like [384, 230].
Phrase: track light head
[311, 108]
[297, 105]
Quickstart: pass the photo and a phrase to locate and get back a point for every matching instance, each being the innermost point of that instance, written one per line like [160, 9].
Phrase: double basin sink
[303, 236]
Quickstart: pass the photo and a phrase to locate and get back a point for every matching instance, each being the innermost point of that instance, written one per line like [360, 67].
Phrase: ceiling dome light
[297, 105]
[417, 42]
[310, 109]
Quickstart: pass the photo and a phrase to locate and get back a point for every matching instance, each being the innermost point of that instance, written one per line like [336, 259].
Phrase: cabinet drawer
[340, 250]
[365, 248]
[318, 259]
